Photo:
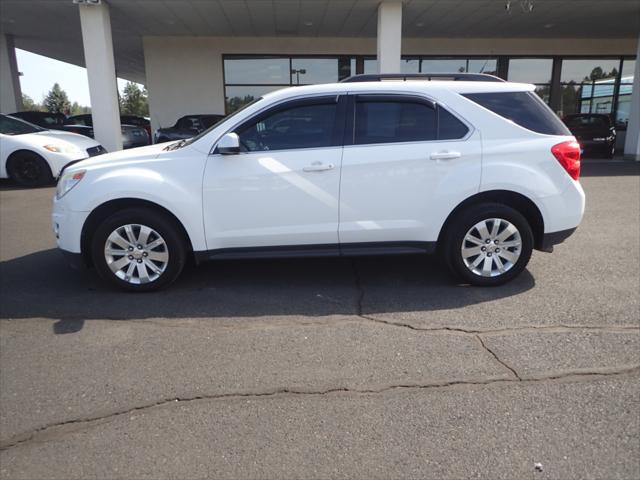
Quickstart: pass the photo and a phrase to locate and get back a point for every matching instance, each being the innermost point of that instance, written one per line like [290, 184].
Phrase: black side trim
[554, 238]
[327, 250]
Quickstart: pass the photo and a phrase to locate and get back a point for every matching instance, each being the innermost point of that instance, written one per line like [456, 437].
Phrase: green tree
[77, 109]
[134, 100]
[29, 105]
[56, 101]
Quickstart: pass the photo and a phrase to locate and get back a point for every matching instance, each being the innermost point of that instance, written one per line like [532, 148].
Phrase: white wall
[184, 74]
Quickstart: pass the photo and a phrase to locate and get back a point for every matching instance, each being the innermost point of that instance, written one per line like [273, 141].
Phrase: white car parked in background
[480, 171]
[32, 156]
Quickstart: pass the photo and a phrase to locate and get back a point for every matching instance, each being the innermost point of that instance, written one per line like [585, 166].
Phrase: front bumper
[67, 226]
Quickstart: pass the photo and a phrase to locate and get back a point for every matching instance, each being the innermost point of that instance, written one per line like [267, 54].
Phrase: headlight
[67, 182]
[63, 148]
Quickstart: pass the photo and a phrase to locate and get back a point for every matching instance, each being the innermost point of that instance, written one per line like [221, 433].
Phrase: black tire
[464, 221]
[157, 221]
[28, 169]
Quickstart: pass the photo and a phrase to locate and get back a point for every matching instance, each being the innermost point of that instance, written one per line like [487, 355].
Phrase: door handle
[319, 167]
[445, 155]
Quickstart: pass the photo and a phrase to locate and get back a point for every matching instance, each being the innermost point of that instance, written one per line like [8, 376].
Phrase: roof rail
[464, 77]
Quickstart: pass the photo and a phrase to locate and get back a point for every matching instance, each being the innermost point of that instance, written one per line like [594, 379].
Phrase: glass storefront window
[530, 70]
[305, 71]
[238, 95]
[272, 71]
[579, 71]
[459, 65]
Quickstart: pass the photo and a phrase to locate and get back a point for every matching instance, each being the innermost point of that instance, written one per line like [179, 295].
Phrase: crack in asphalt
[498, 359]
[53, 430]
[471, 331]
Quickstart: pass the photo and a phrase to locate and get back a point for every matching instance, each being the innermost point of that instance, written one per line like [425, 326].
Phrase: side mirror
[229, 144]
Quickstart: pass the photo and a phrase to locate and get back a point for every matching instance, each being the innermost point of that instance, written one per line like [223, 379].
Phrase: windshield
[189, 141]
[14, 126]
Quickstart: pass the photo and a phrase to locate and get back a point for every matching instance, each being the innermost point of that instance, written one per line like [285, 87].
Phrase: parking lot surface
[350, 368]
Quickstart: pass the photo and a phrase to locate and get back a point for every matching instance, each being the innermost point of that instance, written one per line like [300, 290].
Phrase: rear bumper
[554, 238]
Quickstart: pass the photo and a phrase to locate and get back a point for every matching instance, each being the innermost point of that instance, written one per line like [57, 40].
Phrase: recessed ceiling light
[308, 23]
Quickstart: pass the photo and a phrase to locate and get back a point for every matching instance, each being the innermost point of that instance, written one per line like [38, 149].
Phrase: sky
[40, 73]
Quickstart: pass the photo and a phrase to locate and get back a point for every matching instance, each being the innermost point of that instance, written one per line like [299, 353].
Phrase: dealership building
[212, 56]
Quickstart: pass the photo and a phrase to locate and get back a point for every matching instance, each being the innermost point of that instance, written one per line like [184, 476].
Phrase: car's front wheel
[488, 244]
[138, 249]
[28, 169]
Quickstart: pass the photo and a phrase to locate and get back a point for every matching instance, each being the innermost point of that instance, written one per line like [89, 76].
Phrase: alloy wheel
[136, 254]
[491, 247]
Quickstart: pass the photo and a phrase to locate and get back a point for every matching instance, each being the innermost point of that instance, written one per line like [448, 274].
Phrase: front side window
[13, 126]
[522, 108]
[299, 126]
[389, 121]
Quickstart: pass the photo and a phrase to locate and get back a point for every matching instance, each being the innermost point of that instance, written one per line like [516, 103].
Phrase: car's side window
[449, 127]
[299, 125]
[387, 120]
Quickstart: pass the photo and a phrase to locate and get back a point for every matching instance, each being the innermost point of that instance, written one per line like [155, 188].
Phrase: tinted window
[302, 126]
[523, 108]
[394, 121]
[13, 126]
[588, 121]
[188, 123]
[449, 127]
[81, 120]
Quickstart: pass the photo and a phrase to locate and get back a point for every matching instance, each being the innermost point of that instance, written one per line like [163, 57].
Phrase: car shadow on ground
[42, 285]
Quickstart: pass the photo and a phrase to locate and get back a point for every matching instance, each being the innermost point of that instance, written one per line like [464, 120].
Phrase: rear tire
[487, 244]
[139, 250]
[28, 169]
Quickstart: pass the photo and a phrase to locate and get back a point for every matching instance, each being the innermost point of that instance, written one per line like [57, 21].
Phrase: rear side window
[394, 121]
[449, 127]
[523, 108]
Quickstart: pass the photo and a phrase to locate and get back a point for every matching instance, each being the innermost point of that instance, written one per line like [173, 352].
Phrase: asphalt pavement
[317, 368]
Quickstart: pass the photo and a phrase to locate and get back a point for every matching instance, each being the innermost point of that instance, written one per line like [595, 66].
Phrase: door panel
[399, 192]
[269, 199]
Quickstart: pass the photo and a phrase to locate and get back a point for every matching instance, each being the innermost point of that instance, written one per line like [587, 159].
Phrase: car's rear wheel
[28, 169]
[139, 250]
[488, 244]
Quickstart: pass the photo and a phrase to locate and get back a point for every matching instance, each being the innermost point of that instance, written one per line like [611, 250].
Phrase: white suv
[477, 169]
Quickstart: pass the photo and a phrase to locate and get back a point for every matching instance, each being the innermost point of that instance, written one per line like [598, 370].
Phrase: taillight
[568, 154]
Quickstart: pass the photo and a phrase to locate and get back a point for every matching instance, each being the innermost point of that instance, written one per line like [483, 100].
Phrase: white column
[632, 140]
[389, 36]
[103, 87]
[10, 94]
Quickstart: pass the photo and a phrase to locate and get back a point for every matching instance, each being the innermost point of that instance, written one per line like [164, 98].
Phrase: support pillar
[10, 94]
[632, 140]
[389, 36]
[103, 87]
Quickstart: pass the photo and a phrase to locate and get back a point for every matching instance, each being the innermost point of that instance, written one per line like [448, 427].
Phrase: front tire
[488, 244]
[138, 250]
[28, 169]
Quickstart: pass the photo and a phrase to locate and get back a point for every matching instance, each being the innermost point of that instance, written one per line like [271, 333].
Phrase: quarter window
[300, 126]
[523, 108]
[394, 121]
[449, 127]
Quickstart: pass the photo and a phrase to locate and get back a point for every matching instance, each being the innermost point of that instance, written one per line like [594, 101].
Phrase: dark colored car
[186, 127]
[137, 121]
[132, 135]
[53, 121]
[595, 133]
